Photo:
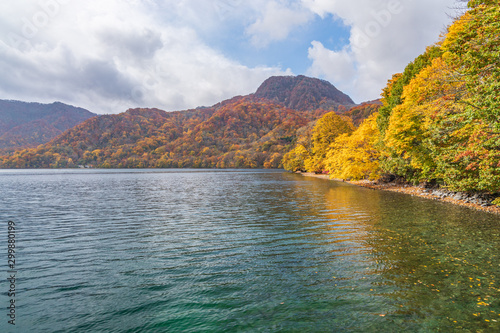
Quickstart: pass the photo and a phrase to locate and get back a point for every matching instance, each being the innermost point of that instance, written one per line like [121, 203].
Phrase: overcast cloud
[109, 55]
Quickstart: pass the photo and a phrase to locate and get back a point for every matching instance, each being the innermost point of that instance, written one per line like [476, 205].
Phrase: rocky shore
[479, 201]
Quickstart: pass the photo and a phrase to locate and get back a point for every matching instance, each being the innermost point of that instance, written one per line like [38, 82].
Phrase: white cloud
[337, 66]
[109, 55]
[385, 36]
[277, 23]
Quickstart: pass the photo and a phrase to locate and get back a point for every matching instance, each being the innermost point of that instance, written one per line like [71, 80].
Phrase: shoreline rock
[478, 201]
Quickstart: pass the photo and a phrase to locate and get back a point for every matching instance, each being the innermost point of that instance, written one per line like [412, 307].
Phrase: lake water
[241, 251]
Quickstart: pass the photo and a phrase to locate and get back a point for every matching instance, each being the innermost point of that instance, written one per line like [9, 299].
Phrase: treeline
[439, 122]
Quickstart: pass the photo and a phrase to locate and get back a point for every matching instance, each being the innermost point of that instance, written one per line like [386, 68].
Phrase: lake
[240, 251]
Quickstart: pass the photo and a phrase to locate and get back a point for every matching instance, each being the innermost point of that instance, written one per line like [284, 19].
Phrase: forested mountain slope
[31, 124]
[243, 132]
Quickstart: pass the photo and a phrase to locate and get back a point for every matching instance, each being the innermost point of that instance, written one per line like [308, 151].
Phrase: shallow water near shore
[241, 251]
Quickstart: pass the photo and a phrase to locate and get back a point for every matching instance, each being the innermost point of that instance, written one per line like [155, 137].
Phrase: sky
[111, 55]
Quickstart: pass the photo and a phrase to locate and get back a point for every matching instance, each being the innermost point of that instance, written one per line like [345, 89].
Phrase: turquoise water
[241, 251]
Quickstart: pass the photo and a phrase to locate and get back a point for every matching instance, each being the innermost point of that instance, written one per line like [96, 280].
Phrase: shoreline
[414, 191]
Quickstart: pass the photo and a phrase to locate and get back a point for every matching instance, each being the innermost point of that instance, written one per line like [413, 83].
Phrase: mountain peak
[303, 93]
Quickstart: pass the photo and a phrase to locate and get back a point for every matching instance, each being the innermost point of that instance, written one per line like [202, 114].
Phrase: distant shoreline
[413, 191]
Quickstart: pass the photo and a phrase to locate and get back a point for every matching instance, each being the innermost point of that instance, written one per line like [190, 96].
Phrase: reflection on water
[439, 264]
[244, 251]
[446, 262]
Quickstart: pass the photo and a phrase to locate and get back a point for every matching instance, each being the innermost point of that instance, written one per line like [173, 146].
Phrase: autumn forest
[437, 122]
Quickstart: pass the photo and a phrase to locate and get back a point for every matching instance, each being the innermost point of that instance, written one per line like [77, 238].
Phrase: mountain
[303, 93]
[242, 132]
[25, 125]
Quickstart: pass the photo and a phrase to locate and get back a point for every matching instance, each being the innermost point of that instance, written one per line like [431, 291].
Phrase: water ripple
[249, 251]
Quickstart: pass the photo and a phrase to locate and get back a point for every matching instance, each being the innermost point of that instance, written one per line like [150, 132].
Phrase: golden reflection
[432, 262]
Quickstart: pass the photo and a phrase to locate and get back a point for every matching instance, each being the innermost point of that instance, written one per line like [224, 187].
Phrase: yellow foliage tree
[412, 134]
[294, 159]
[356, 156]
[326, 130]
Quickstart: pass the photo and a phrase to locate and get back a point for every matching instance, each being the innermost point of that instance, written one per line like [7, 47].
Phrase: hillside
[24, 125]
[243, 132]
[303, 93]
[359, 113]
